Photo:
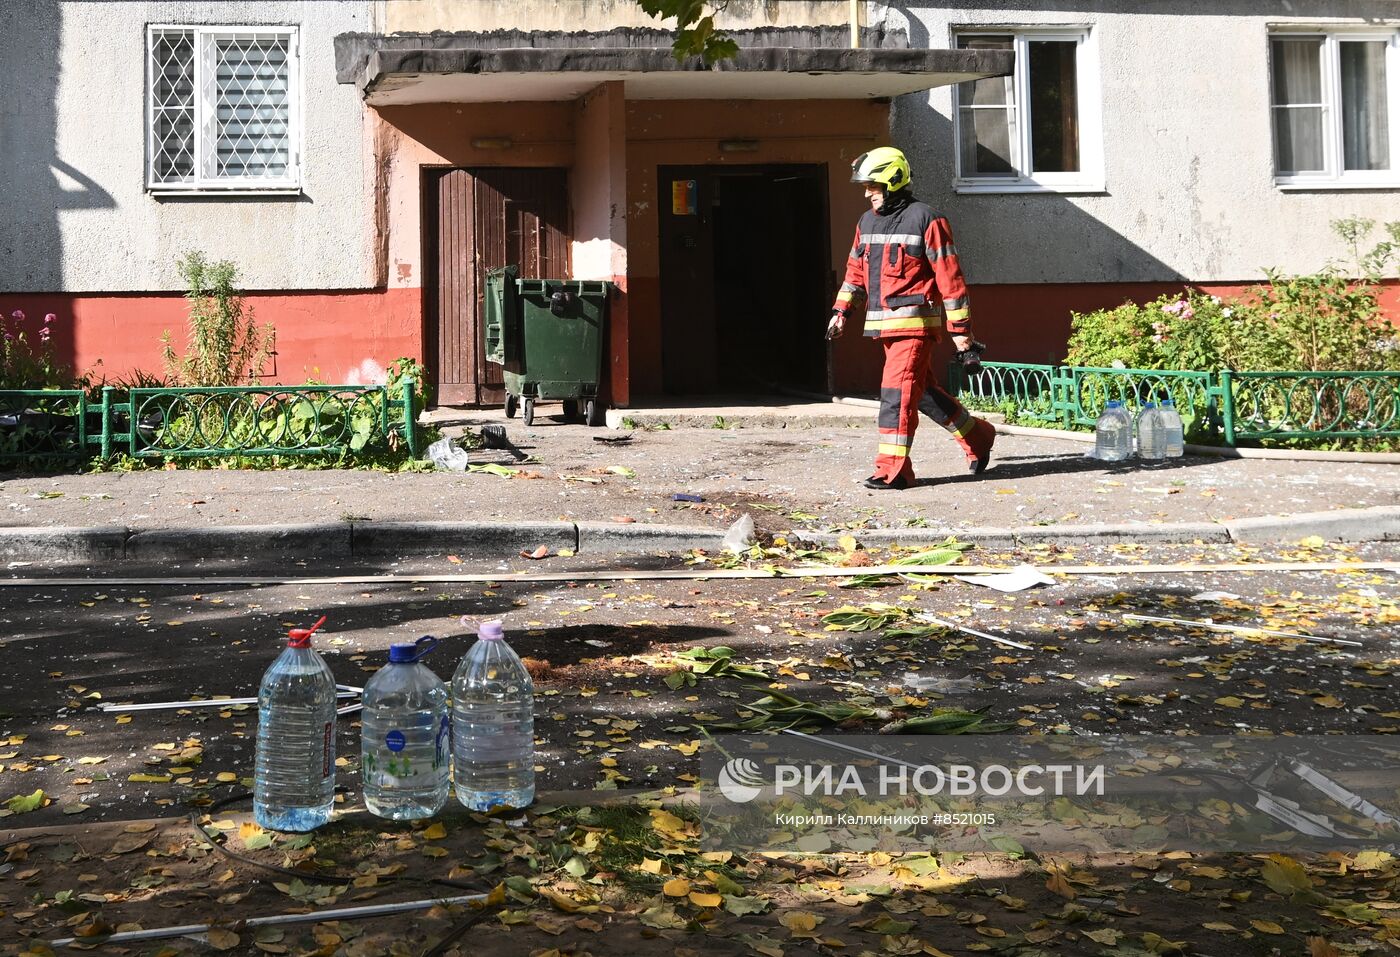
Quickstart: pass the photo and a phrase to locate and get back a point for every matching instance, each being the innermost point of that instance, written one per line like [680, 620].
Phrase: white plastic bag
[445, 454]
[740, 535]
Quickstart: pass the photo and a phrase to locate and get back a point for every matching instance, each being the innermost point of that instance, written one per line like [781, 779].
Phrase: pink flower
[44, 334]
[1186, 311]
[17, 314]
[49, 317]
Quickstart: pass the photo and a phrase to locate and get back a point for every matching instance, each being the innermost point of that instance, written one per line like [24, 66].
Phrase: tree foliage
[695, 29]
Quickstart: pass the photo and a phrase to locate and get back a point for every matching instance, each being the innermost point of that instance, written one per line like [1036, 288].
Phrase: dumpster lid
[504, 66]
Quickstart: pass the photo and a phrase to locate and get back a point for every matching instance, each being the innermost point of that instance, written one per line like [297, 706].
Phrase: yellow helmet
[884, 166]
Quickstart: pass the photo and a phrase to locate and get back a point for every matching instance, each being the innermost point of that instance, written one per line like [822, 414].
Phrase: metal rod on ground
[969, 631]
[853, 749]
[343, 913]
[694, 574]
[199, 703]
[1209, 625]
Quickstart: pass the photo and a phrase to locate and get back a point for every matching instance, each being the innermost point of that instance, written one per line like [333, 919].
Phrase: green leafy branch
[695, 30]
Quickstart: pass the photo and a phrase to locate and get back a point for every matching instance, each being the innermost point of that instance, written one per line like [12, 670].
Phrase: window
[1333, 106]
[221, 108]
[1037, 129]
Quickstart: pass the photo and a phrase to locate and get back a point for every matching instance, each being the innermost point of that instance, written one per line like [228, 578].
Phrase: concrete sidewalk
[794, 467]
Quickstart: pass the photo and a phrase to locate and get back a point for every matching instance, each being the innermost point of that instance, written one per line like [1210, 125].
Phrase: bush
[29, 363]
[225, 346]
[1176, 331]
[1321, 322]
[1325, 321]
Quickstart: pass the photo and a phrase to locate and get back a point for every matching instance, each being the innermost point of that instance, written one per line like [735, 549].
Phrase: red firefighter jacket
[905, 268]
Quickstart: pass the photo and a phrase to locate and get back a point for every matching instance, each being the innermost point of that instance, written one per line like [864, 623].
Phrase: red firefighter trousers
[906, 389]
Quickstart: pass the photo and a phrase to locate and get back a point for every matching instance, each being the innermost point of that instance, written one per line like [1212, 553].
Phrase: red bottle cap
[301, 637]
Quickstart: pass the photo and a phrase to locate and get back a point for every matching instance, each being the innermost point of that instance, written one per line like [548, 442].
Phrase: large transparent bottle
[1173, 441]
[493, 725]
[405, 736]
[1113, 434]
[1151, 444]
[294, 776]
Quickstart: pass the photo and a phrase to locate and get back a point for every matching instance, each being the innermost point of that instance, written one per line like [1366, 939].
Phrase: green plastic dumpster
[548, 336]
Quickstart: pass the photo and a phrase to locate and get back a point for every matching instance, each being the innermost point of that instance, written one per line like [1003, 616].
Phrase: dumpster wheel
[594, 413]
[529, 414]
[512, 405]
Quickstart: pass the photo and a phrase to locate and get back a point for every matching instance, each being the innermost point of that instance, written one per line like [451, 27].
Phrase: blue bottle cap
[408, 654]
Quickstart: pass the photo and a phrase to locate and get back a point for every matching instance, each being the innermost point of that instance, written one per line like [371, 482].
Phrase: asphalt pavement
[796, 470]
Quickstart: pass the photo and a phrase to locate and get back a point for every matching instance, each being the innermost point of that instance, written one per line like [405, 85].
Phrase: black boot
[898, 482]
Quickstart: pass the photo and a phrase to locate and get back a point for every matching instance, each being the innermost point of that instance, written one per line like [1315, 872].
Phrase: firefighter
[904, 268]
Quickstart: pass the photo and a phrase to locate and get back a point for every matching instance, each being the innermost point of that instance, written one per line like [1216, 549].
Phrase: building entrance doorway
[745, 278]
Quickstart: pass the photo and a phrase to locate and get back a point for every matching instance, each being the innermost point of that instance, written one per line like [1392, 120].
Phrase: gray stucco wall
[1187, 148]
[74, 212]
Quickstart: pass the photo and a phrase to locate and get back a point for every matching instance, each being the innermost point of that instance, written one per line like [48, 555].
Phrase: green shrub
[225, 345]
[1176, 331]
[1319, 322]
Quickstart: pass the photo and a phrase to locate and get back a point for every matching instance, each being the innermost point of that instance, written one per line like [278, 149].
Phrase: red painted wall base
[333, 337]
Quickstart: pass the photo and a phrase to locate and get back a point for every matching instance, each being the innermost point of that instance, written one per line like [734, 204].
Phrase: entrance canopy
[403, 69]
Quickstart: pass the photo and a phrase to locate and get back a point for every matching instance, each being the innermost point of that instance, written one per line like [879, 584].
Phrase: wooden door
[477, 220]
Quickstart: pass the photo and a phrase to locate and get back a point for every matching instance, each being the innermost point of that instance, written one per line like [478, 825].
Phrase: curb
[1180, 533]
[392, 539]
[238, 542]
[63, 545]
[380, 540]
[1377, 524]
[639, 538]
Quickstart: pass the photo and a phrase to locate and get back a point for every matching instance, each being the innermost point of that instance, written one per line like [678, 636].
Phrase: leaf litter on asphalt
[592, 870]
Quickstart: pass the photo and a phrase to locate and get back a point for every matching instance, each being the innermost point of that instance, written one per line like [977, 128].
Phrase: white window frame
[201, 185]
[1332, 175]
[1090, 176]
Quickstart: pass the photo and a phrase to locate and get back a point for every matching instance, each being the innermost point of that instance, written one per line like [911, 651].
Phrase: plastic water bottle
[1150, 438]
[493, 725]
[1113, 434]
[405, 746]
[294, 780]
[1173, 443]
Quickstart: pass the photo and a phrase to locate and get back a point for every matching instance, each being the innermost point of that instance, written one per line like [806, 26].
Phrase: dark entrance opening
[745, 274]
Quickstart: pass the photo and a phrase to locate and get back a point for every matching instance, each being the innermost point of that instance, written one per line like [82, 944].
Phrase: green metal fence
[329, 420]
[47, 425]
[1235, 406]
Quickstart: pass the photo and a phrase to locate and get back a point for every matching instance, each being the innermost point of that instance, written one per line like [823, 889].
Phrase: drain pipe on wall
[857, 21]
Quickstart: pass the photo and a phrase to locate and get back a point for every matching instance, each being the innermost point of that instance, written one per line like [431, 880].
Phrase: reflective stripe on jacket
[904, 266]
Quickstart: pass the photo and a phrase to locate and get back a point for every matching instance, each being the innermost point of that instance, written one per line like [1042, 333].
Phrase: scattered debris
[740, 535]
[446, 454]
[1211, 625]
[686, 497]
[933, 684]
[969, 631]
[494, 437]
[717, 662]
[1018, 579]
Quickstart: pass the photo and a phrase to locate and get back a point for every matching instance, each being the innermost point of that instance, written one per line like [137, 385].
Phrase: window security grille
[222, 108]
